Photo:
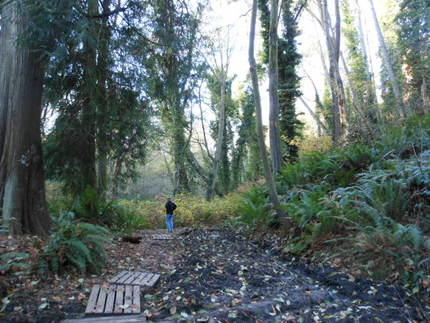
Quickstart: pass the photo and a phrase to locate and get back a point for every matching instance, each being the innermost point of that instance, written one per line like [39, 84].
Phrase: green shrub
[336, 168]
[254, 209]
[89, 207]
[193, 210]
[74, 244]
[386, 248]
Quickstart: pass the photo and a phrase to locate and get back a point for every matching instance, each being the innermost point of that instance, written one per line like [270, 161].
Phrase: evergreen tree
[174, 71]
[102, 111]
[288, 61]
[414, 34]
[363, 112]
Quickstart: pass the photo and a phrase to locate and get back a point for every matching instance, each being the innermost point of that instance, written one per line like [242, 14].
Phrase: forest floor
[218, 275]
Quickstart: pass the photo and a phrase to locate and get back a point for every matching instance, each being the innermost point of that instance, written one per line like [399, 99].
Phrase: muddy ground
[217, 275]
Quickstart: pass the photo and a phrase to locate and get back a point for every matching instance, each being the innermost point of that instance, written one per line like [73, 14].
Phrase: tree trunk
[335, 81]
[180, 148]
[89, 108]
[102, 103]
[22, 182]
[388, 64]
[260, 133]
[313, 115]
[275, 138]
[220, 138]
[371, 87]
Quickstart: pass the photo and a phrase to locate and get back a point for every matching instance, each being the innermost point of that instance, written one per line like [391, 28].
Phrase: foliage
[98, 104]
[193, 210]
[289, 80]
[89, 207]
[243, 157]
[254, 209]
[414, 31]
[386, 249]
[363, 117]
[74, 244]
[336, 168]
[372, 201]
[11, 261]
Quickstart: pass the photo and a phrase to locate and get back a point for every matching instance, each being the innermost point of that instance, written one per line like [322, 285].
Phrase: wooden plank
[142, 279]
[132, 278]
[119, 299]
[91, 305]
[144, 282]
[128, 301]
[139, 278]
[110, 319]
[101, 301]
[162, 237]
[115, 278]
[136, 300]
[110, 299]
[124, 278]
[153, 280]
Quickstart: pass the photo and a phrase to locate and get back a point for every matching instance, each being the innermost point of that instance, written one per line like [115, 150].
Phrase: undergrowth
[74, 244]
[369, 204]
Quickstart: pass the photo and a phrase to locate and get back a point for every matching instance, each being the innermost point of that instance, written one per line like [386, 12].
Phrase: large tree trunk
[336, 84]
[260, 133]
[388, 64]
[102, 103]
[22, 183]
[180, 148]
[275, 138]
[89, 108]
[220, 138]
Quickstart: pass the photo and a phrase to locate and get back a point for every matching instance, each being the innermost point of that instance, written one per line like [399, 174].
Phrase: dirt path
[222, 276]
[217, 275]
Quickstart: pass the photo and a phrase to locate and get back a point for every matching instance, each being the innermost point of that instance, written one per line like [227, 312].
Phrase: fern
[254, 209]
[75, 244]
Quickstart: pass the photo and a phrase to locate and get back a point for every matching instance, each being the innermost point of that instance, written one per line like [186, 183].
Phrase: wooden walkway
[109, 319]
[135, 278]
[113, 302]
[114, 299]
[163, 236]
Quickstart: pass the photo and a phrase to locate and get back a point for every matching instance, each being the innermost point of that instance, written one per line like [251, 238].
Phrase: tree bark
[22, 182]
[336, 84]
[220, 137]
[388, 64]
[260, 133]
[320, 124]
[102, 102]
[275, 138]
[89, 108]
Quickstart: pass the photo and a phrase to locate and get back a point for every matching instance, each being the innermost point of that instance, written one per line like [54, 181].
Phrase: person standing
[170, 207]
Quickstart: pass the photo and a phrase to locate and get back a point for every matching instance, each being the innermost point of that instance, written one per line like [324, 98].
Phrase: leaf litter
[218, 275]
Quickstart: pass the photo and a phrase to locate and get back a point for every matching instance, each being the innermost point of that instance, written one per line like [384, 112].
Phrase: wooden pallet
[162, 236]
[109, 319]
[135, 278]
[114, 299]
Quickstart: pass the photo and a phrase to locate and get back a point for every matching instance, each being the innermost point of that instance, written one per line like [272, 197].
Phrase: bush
[336, 168]
[193, 210]
[90, 208]
[74, 244]
[254, 210]
[387, 249]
